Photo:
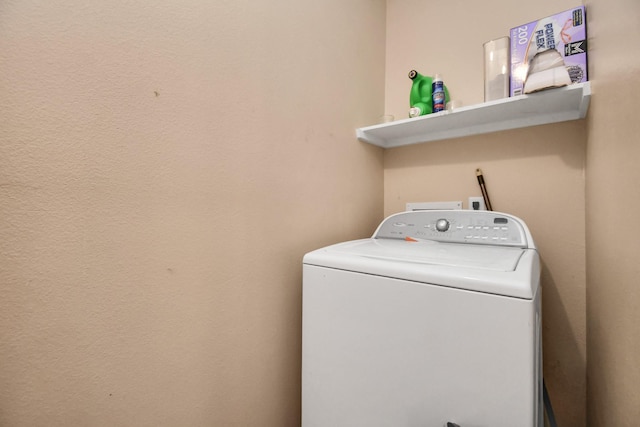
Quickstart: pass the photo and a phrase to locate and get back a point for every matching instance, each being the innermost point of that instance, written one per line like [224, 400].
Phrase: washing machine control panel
[456, 226]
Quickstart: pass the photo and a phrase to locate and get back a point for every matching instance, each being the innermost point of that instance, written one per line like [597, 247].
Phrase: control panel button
[442, 225]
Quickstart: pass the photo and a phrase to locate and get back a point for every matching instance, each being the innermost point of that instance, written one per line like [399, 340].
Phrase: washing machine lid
[433, 253]
[507, 271]
[453, 258]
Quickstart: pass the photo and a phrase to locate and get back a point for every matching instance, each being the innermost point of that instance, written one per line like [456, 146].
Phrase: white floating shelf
[549, 106]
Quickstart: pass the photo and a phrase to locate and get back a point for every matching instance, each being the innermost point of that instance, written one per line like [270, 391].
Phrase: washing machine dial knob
[442, 225]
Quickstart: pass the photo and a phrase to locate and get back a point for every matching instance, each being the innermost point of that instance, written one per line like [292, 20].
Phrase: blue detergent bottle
[438, 94]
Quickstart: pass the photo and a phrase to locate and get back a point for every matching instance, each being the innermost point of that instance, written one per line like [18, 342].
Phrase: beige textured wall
[537, 174]
[613, 230]
[164, 166]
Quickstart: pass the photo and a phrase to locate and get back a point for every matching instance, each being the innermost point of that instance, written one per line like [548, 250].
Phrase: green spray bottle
[420, 97]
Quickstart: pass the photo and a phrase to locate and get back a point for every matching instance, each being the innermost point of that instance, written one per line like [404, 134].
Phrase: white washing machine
[433, 321]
